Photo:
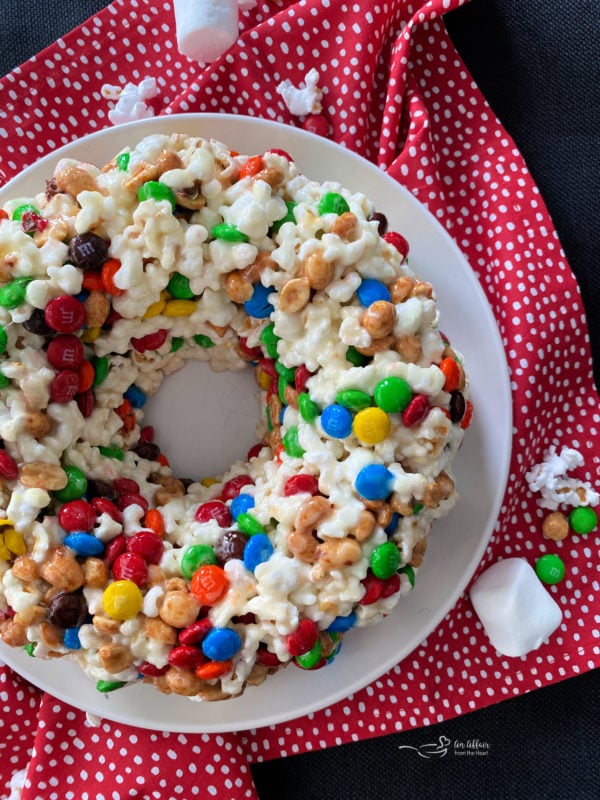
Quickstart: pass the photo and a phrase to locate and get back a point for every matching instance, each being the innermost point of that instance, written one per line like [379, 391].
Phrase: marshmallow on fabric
[205, 28]
[515, 609]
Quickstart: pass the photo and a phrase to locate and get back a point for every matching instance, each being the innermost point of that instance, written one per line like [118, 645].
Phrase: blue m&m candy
[342, 624]
[258, 549]
[371, 290]
[136, 397]
[258, 306]
[84, 544]
[221, 644]
[374, 482]
[71, 639]
[336, 421]
[241, 504]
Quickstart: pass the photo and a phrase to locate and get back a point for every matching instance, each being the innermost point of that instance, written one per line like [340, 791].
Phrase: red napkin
[397, 93]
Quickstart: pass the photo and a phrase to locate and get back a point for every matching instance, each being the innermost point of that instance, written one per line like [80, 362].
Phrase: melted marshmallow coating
[275, 280]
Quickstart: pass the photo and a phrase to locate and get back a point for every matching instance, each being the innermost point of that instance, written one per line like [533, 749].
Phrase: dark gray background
[538, 64]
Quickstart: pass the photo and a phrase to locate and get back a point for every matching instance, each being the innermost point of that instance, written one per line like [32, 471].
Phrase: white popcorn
[516, 611]
[304, 99]
[550, 479]
[131, 100]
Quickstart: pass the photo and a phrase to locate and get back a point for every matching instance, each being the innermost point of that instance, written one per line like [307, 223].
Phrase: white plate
[457, 542]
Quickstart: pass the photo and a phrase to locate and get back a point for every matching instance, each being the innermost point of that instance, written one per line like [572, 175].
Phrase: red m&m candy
[77, 515]
[65, 352]
[64, 386]
[65, 314]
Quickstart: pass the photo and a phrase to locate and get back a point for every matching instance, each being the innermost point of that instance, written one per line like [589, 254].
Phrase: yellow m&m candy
[122, 600]
[371, 425]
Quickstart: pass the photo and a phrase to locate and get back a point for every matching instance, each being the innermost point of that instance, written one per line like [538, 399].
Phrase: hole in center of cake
[204, 420]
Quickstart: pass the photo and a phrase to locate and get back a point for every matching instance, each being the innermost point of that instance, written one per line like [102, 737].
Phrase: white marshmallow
[515, 610]
[205, 28]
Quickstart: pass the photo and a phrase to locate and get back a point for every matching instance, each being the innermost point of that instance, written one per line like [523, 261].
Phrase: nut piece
[344, 225]
[303, 546]
[179, 609]
[409, 348]
[39, 475]
[313, 512]
[95, 572]
[170, 488]
[238, 288]
[318, 272]
[337, 553]
[25, 568]
[422, 289]
[438, 490]
[555, 526]
[271, 175]
[13, 633]
[156, 628]
[98, 309]
[379, 319]
[73, 180]
[50, 636]
[376, 346]
[365, 526]
[37, 424]
[105, 624]
[115, 657]
[62, 570]
[183, 681]
[420, 546]
[401, 288]
[30, 615]
[294, 295]
[167, 160]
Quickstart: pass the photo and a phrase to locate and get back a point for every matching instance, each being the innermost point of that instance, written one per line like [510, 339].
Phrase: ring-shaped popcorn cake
[182, 249]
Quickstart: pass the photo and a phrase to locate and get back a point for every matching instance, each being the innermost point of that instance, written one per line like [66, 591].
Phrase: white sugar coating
[324, 535]
[515, 609]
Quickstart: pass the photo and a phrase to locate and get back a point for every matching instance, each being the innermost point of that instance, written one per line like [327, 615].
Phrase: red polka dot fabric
[396, 92]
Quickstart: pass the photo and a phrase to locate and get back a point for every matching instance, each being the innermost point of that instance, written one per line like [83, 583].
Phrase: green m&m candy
[76, 485]
[385, 560]
[157, 191]
[392, 394]
[583, 519]
[196, 556]
[332, 203]
[550, 568]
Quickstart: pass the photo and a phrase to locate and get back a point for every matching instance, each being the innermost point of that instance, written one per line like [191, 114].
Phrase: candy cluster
[180, 248]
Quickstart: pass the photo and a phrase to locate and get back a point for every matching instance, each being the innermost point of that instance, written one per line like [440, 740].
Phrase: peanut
[144, 172]
[263, 261]
[39, 475]
[555, 526]
[13, 633]
[179, 609]
[156, 628]
[30, 615]
[318, 272]
[409, 348]
[170, 488]
[402, 508]
[384, 516]
[62, 570]
[376, 346]
[105, 624]
[271, 175]
[73, 180]
[416, 559]
[290, 396]
[168, 160]
[98, 309]
[55, 229]
[379, 319]
[209, 692]
[312, 513]
[401, 288]
[37, 424]
[115, 657]
[365, 526]
[422, 289]
[25, 568]
[237, 287]
[344, 225]
[437, 490]
[50, 636]
[303, 545]
[183, 681]
[156, 576]
[294, 295]
[336, 553]
[95, 572]
[176, 585]
[258, 675]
